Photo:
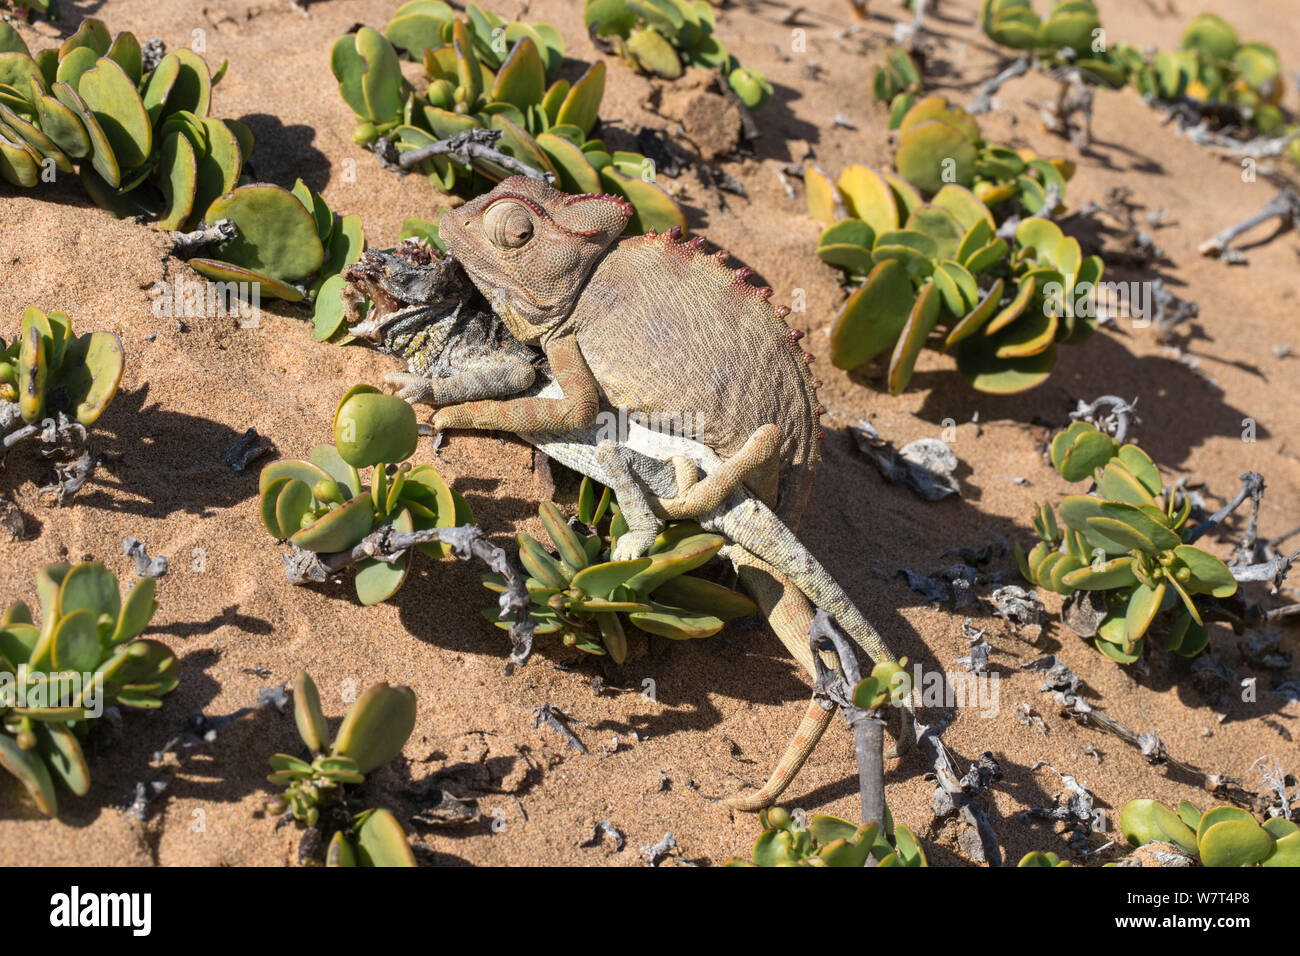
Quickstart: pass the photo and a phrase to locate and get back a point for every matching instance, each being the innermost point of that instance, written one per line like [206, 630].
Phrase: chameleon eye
[508, 225]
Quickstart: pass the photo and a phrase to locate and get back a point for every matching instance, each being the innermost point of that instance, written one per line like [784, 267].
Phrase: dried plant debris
[1074, 808]
[656, 853]
[927, 465]
[1021, 609]
[976, 660]
[1284, 207]
[985, 97]
[1116, 418]
[198, 732]
[437, 807]
[250, 447]
[1070, 113]
[556, 719]
[1133, 244]
[1277, 798]
[603, 831]
[11, 520]
[964, 799]
[1058, 675]
[145, 566]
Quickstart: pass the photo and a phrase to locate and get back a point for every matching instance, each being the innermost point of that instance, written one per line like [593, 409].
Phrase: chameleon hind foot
[642, 524]
[757, 459]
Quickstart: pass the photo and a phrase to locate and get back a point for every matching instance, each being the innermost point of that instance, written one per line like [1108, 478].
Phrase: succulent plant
[940, 144]
[580, 597]
[49, 371]
[58, 677]
[1123, 541]
[373, 733]
[143, 142]
[30, 8]
[663, 37]
[831, 841]
[1040, 858]
[1223, 836]
[321, 505]
[1070, 25]
[288, 242]
[897, 83]
[1212, 65]
[476, 82]
[940, 264]
[145, 145]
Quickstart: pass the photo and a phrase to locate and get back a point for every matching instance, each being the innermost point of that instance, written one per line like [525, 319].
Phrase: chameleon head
[529, 248]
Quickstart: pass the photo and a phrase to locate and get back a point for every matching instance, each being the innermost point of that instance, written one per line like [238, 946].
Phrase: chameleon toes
[408, 386]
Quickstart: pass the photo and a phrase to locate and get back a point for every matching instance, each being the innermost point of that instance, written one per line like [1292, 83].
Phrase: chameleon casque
[457, 353]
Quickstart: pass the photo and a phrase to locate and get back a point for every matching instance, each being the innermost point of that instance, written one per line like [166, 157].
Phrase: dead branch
[1285, 207]
[1252, 487]
[555, 718]
[982, 102]
[962, 796]
[868, 727]
[465, 147]
[1260, 147]
[186, 244]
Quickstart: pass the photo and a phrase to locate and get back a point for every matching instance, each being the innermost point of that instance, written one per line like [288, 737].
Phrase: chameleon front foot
[410, 387]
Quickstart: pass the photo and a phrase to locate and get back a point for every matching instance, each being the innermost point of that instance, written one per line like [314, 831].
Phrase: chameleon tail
[753, 527]
[810, 731]
[789, 614]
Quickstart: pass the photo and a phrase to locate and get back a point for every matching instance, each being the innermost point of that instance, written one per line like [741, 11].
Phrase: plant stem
[1116, 423]
[1252, 486]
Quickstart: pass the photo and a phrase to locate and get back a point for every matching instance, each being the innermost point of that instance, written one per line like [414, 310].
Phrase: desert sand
[722, 708]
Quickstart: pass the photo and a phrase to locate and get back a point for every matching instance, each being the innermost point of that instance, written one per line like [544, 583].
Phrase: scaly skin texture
[649, 324]
[649, 472]
[453, 352]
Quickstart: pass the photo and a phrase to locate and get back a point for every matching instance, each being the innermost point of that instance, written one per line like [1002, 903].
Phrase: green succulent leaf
[380, 841]
[31, 772]
[1234, 843]
[308, 716]
[372, 428]
[276, 234]
[377, 726]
